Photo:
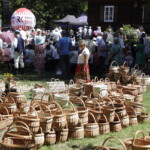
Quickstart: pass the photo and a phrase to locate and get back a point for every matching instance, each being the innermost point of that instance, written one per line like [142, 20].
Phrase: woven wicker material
[114, 69]
[115, 126]
[59, 120]
[31, 119]
[82, 110]
[104, 126]
[91, 129]
[50, 137]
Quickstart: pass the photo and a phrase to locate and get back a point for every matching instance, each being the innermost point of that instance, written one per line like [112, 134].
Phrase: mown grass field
[86, 143]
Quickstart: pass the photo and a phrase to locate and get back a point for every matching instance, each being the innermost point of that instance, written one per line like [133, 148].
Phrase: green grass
[86, 143]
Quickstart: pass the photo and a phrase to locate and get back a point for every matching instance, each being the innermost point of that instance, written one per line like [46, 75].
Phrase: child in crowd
[29, 56]
[129, 58]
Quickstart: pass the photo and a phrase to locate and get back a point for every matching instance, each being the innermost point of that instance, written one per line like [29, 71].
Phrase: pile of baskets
[98, 107]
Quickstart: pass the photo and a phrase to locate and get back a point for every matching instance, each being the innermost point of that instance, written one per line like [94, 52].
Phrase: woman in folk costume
[82, 70]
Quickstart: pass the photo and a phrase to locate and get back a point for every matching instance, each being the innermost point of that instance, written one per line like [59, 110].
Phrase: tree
[48, 10]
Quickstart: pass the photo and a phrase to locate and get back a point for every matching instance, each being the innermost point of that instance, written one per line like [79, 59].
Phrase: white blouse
[81, 56]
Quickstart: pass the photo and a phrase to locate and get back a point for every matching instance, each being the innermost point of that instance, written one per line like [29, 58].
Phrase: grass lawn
[86, 143]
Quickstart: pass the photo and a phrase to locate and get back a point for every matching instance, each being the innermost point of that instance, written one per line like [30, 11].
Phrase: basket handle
[116, 115]
[21, 127]
[5, 109]
[135, 135]
[90, 95]
[96, 79]
[116, 140]
[71, 82]
[11, 98]
[52, 79]
[74, 109]
[20, 122]
[128, 92]
[47, 108]
[125, 63]
[104, 117]
[78, 98]
[96, 103]
[113, 62]
[143, 75]
[60, 108]
[33, 110]
[106, 98]
[107, 80]
[136, 66]
[131, 108]
[101, 80]
[92, 117]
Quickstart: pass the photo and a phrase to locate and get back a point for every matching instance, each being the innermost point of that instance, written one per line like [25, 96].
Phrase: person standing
[82, 69]
[64, 45]
[103, 55]
[18, 50]
[40, 54]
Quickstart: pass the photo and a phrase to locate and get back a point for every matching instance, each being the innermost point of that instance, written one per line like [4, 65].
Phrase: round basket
[31, 119]
[103, 124]
[75, 89]
[91, 129]
[143, 117]
[39, 138]
[124, 69]
[124, 121]
[50, 137]
[114, 69]
[6, 118]
[132, 116]
[115, 126]
[77, 132]
[96, 111]
[18, 142]
[140, 144]
[72, 115]
[45, 117]
[9, 103]
[62, 134]
[59, 120]
[82, 110]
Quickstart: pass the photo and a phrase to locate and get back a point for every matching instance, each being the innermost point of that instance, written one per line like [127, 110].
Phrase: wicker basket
[124, 69]
[6, 118]
[109, 111]
[124, 121]
[143, 117]
[62, 134]
[31, 119]
[132, 116]
[96, 111]
[115, 126]
[137, 144]
[77, 132]
[110, 148]
[72, 115]
[50, 137]
[104, 126]
[45, 117]
[114, 69]
[75, 89]
[91, 129]
[82, 110]
[129, 96]
[59, 120]
[24, 142]
[9, 103]
[39, 138]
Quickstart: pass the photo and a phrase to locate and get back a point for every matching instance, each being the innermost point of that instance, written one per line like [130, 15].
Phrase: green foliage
[48, 10]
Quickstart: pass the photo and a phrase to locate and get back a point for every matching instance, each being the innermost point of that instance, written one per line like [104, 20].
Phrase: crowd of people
[73, 53]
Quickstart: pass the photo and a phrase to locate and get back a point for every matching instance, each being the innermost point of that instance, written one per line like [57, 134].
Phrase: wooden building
[117, 12]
